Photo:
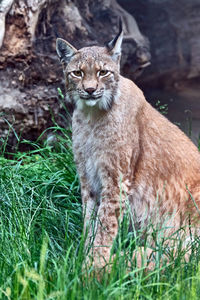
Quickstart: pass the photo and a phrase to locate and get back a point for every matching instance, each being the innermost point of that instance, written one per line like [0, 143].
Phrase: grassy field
[42, 248]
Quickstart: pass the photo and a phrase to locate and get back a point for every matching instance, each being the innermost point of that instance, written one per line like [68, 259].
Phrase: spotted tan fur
[125, 149]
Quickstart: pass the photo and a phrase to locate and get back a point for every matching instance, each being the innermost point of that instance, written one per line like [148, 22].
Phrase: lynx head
[91, 73]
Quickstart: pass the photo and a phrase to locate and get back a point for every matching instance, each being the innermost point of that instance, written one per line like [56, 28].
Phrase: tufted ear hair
[114, 46]
[64, 50]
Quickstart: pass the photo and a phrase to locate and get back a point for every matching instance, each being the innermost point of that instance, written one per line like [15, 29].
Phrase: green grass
[41, 244]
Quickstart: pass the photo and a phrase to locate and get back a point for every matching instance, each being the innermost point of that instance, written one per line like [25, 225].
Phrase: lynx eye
[77, 73]
[103, 73]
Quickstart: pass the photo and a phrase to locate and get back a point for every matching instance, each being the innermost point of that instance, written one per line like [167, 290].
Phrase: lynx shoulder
[125, 151]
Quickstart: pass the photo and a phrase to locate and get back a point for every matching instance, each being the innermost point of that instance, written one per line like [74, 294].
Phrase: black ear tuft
[114, 46]
[110, 45]
[64, 50]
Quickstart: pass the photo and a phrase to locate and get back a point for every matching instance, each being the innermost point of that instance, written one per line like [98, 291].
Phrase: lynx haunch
[121, 143]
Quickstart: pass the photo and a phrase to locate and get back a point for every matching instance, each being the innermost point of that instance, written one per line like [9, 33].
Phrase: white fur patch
[79, 104]
[104, 103]
[91, 102]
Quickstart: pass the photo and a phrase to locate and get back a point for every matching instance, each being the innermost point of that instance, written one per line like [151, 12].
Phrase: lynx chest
[94, 146]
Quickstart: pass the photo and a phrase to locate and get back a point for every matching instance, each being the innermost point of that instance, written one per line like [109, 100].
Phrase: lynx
[125, 151]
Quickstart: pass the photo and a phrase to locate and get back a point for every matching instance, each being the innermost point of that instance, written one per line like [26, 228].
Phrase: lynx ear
[114, 46]
[64, 50]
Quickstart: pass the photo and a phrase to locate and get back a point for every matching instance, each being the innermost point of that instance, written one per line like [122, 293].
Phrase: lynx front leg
[110, 210]
[89, 204]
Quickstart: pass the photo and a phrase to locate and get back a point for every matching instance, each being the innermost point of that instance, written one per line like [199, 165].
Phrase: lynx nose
[90, 91]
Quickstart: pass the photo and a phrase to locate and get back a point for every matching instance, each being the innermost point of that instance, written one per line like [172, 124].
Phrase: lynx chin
[128, 155]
